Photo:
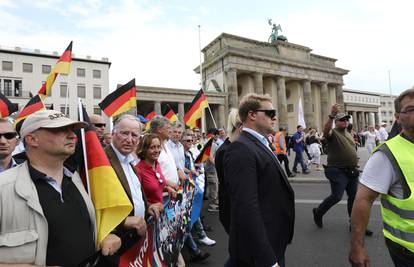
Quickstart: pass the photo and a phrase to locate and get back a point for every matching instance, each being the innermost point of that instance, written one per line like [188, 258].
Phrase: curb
[305, 180]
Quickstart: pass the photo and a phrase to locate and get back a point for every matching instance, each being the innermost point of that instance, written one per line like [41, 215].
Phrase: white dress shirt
[167, 164]
[177, 150]
[133, 182]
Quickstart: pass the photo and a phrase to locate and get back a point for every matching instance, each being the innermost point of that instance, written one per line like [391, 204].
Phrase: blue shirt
[299, 147]
[258, 136]
[11, 165]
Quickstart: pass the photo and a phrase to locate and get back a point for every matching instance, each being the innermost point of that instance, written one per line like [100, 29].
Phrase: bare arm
[361, 210]
[328, 125]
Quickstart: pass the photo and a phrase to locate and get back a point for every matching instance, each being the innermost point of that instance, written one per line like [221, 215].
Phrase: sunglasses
[271, 113]
[9, 135]
[188, 141]
[99, 125]
[343, 120]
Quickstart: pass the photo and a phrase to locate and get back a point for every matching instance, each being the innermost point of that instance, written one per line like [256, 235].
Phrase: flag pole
[66, 99]
[85, 161]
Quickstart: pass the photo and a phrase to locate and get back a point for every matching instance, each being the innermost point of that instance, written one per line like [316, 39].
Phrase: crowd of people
[45, 210]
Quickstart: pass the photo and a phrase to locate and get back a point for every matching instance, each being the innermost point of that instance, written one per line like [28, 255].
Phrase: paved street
[311, 246]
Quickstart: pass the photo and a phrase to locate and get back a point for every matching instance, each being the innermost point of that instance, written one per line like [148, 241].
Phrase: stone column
[377, 120]
[307, 104]
[281, 103]
[221, 116]
[371, 119]
[325, 107]
[355, 120]
[157, 107]
[181, 111]
[364, 120]
[233, 97]
[270, 87]
[340, 96]
[258, 83]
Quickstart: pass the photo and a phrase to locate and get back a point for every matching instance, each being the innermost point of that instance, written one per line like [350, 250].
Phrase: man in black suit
[262, 200]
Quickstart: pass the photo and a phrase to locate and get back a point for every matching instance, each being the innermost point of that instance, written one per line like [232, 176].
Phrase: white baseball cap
[47, 119]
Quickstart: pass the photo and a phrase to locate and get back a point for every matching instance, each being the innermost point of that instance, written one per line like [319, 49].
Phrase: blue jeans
[198, 227]
[191, 245]
[340, 181]
[299, 159]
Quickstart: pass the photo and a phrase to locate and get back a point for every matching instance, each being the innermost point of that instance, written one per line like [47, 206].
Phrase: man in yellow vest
[281, 150]
[389, 172]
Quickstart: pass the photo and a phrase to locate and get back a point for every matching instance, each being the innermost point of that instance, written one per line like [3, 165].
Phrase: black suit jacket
[224, 195]
[262, 203]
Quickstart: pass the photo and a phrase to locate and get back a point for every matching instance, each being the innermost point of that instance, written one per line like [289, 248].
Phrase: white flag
[301, 115]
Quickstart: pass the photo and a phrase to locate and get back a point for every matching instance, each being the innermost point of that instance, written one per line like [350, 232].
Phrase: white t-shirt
[379, 175]
[167, 164]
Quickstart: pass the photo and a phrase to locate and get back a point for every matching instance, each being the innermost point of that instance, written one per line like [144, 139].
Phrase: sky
[157, 41]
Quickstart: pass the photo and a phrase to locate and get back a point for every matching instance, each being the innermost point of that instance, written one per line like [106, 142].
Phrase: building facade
[237, 66]
[387, 110]
[23, 71]
[363, 107]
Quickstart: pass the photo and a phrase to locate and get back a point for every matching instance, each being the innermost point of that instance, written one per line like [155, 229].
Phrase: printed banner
[165, 236]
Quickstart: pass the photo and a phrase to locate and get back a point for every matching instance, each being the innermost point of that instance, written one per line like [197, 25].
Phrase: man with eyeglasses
[262, 200]
[389, 173]
[8, 141]
[125, 138]
[342, 165]
[99, 124]
[49, 219]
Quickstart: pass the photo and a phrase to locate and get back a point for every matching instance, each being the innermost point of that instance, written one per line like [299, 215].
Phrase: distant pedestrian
[299, 148]
[281, 150]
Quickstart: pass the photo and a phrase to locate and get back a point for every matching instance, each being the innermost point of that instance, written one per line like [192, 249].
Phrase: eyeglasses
[408, 111]
[188, 141]
[271, 113]
[9, 135]
[99, 125]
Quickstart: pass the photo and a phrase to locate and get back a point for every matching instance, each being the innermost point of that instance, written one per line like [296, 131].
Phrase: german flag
[151, 115]
[121, 100]
[195, 111]
[205, 152]
[170, 115]
[111, 202]
[63, 66]
[34, 104]
[6, 107]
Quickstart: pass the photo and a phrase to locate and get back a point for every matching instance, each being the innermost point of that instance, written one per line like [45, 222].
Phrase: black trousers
[283, 158]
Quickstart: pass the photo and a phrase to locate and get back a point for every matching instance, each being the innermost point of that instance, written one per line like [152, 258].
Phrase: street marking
[318, 201]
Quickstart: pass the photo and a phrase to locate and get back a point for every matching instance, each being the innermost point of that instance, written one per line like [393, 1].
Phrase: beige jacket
[23, 227]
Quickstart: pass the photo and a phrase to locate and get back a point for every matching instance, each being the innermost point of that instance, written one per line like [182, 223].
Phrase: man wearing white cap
[46, 216]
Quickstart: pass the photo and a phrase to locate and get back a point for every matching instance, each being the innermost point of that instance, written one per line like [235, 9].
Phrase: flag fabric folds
[111, 202]
[149, 117]
[205, 152]
[195, 111]
[171, 116]
[34, 104]
[6, 107]
[63, 66]
[121, 100]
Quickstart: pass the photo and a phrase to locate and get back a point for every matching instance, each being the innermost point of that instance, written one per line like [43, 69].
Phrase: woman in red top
[148, 169]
